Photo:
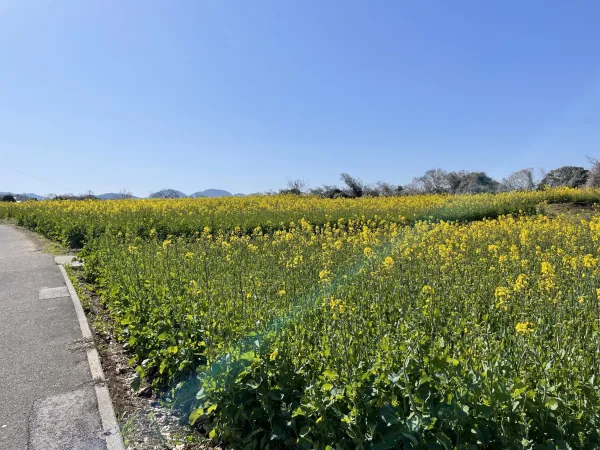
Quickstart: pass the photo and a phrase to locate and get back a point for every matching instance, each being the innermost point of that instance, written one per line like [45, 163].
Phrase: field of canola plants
[425, 322]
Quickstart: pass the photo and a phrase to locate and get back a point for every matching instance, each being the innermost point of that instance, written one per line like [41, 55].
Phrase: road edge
[110, 425]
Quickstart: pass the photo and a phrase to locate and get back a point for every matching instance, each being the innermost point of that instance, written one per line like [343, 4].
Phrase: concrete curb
[111, 430]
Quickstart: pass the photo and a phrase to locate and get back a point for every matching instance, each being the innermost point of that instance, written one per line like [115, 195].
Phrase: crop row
[76, 222]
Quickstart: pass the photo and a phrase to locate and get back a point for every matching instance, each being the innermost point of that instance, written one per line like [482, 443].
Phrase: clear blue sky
[243, 95]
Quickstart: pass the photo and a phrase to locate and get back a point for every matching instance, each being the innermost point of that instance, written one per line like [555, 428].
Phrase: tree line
[439, 181]
[434, 181]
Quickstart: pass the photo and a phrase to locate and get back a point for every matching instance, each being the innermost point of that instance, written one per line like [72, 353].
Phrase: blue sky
[244, 95]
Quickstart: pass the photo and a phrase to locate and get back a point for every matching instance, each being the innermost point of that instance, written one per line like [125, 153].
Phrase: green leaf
[162, 336]
[519, 389]
[452, 361]
[195, 415]
[135, 383]
[248, 356]
[275, 394]
[211, 408]
[327, 386]
[551, 403]
[444, 440]
[563, 445]
[330, 374]
[485, 410]
[163, 365]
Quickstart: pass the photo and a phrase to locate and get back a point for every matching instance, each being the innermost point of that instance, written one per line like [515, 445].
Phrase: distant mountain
[36, 196]
[211, 193]
[168, 193]
[21, 197]
[114, 196]
[163, 193]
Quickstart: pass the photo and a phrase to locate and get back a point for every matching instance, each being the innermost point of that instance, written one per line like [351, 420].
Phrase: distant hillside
[211, 193]
[36, 196]
[114, 196]
[168, 193]
[163, 193]
[22, 197]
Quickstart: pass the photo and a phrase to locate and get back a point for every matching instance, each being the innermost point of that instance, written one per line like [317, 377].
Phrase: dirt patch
[145, 423]
[577, 210]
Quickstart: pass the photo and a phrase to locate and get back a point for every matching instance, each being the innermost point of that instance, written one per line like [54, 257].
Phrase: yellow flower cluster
[60, 220]
[525, 328]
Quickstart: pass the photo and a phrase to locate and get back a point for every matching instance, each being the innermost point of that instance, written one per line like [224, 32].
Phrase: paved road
[47, 397]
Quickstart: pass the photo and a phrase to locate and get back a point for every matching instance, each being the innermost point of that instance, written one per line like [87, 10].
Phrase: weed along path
[49, 397]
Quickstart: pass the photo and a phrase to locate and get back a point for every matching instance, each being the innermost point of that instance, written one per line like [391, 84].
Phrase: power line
[37, 178]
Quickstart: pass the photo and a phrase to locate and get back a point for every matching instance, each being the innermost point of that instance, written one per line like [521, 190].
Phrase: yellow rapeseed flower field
[426, 322]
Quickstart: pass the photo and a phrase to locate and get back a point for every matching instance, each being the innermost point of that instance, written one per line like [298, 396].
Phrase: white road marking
[57, 292]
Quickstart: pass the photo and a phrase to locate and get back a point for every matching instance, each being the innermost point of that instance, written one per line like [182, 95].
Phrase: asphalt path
[47, 396]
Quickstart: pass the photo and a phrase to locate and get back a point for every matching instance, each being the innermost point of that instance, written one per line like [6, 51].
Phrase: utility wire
[37, 178]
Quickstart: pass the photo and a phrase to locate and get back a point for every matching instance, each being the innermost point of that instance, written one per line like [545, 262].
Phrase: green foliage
[410, 365]
[472, 183]
[566, 176]
[297, 322]
[355, 187]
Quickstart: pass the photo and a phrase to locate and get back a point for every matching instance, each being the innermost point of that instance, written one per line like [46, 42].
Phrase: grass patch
[578, 210]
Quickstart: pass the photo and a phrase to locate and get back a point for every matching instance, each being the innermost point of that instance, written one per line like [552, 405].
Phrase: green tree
[355, 187]
[570, 176]
[463, 182]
